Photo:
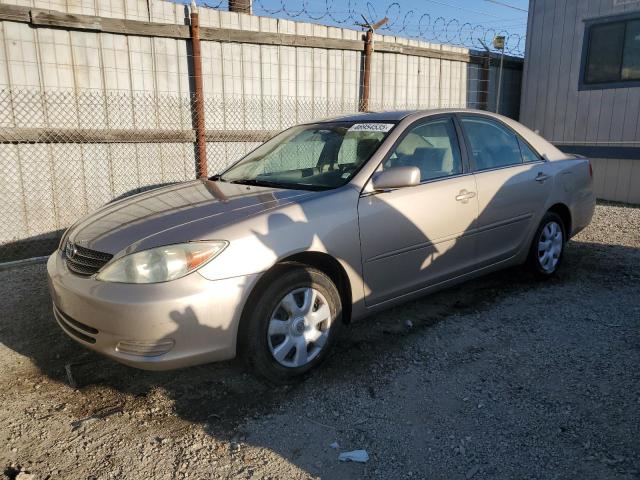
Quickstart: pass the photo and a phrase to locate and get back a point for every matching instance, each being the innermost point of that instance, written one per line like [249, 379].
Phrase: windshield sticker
[371, 127]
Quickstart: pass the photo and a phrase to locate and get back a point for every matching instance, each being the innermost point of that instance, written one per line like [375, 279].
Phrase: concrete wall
[587, 120]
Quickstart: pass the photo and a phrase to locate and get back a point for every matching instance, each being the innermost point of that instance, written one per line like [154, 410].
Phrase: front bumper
[175, 324]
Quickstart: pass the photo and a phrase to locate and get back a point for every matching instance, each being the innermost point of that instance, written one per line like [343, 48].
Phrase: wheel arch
[322, 261]
[331, 267]
[565, 214]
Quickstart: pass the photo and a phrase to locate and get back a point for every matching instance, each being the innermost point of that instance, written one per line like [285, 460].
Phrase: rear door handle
[542, 177]
[464, 196]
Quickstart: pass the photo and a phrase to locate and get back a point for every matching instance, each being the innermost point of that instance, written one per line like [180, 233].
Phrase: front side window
[492, 145]
[315, 157]
[432, 147]
[613, 52]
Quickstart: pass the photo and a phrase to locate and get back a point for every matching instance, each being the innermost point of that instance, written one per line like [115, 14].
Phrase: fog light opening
[145, 348]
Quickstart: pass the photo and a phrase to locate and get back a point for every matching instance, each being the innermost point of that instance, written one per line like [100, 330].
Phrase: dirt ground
[504, 377]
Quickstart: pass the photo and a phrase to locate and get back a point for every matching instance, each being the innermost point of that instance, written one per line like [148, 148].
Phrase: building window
[612, 54]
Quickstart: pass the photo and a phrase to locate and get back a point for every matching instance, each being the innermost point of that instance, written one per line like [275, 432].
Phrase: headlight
[63, 239]
[161, 264]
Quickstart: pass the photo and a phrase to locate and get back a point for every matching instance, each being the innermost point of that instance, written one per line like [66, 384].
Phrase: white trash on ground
[360, 456]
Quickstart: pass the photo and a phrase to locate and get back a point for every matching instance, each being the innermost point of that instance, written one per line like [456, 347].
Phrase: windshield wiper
[267, 183]
[263, 183]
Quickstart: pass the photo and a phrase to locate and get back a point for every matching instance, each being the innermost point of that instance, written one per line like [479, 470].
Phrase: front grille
[74, 327]
[84, 261]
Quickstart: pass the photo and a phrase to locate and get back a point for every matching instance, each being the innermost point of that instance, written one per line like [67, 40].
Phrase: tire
[279, 341]
[544, 263]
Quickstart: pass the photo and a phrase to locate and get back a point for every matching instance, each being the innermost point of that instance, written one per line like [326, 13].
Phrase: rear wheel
[292, 324]
[547, 248]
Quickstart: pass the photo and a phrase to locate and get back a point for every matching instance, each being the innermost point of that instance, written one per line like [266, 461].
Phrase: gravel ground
[500, 378]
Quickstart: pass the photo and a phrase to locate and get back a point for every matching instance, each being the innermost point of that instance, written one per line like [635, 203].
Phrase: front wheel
[547, 248]
[292, 324]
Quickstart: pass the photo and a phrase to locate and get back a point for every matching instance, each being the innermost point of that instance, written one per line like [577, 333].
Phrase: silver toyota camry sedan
[318, 227]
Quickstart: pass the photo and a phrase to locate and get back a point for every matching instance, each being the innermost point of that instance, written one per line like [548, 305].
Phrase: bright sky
[412, 18]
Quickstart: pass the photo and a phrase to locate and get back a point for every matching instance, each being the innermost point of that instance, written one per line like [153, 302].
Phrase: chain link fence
[66, 153]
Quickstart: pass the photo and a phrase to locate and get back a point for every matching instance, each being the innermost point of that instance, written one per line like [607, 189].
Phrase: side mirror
[396, 177]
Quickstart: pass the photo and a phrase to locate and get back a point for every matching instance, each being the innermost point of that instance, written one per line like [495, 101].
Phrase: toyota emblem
[70, 250]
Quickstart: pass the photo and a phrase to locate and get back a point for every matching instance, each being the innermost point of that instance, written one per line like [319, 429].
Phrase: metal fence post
[366, 77]
[240, 6]
[483, 84]
[499, 94]
[368, 53]
[198, 96]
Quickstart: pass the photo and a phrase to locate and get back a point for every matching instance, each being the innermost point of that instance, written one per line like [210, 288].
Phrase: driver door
[414, 237]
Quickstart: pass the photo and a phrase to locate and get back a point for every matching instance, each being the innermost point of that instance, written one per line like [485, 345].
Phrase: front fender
[326, 224]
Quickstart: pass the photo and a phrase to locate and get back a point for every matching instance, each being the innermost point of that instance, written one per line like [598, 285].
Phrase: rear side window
[528, 155]
[492, 145]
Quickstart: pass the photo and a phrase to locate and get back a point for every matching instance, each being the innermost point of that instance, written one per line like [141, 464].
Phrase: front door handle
[542, 177]
[464, 196]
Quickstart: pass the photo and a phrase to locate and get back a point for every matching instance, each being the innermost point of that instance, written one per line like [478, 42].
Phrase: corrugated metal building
[581, 86]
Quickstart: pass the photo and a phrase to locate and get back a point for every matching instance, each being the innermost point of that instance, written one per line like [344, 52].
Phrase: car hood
[175, 214]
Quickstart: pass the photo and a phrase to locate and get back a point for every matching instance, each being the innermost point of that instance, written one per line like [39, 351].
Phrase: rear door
[416, 236]
[513, 183]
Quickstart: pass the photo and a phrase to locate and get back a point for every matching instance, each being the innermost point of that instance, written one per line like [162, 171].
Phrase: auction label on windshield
[371, 127]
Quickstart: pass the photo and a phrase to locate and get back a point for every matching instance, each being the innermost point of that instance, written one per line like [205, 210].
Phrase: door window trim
[474, 167]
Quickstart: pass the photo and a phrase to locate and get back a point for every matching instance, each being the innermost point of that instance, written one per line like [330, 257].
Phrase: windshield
[316, 157]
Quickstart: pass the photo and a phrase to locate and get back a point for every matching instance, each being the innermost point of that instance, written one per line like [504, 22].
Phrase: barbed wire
[430, 28]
